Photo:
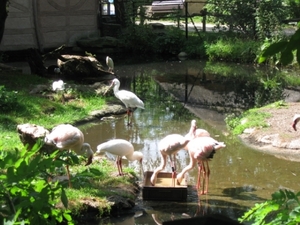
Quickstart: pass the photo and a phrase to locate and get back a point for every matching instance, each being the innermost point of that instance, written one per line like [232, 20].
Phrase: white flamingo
[68, 137]
[120, 148]
[201, 150]
[130, 100]
[110, 64]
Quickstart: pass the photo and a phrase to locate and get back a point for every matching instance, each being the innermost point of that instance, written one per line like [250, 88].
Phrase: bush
[25, 196]
[8, 99]
[233, 50]
[283, 208]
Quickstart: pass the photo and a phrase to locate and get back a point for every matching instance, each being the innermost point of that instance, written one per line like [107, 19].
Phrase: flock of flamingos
[200, 146]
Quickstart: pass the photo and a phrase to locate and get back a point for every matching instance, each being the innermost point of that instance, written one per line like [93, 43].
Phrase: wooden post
[186, 20]
[203, 14]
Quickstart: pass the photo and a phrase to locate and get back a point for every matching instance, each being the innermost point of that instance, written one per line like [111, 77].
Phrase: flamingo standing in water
[169, 146]
[296, 119]
[201, 149]
[130, 100]
[68, 137]
[120, 148]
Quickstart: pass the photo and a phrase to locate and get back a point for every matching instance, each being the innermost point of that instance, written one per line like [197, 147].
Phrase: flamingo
[296, 119]
[120, 148]
[68, 137]
[194, 132]
[169, 146]
[110, 64]
[201, 149]
[130, 100]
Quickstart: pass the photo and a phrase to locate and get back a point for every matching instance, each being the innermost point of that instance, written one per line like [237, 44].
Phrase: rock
[29, 134]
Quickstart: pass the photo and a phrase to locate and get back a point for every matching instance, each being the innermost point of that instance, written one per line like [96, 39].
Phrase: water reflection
[240, 176]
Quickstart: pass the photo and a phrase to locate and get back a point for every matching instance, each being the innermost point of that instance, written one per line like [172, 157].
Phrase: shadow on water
[174, 93]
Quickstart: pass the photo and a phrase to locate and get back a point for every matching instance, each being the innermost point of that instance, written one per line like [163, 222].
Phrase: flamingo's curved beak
[89, 161]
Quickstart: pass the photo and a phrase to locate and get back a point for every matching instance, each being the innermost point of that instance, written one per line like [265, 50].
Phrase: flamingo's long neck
[116, 88]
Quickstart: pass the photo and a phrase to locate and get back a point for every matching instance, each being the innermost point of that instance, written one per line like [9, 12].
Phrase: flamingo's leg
[118, 165]
[121, 168]
[207, 177]
[69, 177]
[129, 117]
[199, 175]
[158, 169]
[173, 169]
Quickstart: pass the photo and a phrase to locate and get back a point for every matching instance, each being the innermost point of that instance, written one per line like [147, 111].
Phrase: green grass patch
[252, 118]
[19, 106]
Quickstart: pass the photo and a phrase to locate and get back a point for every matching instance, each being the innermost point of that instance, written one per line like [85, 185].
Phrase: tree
[285, 48]
[3, 16]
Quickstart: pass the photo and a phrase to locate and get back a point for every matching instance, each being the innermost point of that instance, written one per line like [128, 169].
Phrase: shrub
[283, 208]
[25, 196]
[233, 50]
[8, 99]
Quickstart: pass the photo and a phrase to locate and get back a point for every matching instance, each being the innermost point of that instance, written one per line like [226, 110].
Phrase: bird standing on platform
[201, 150]
[130, 100]
[169, 146]
[120, 148]
[68, 137]
[196, 132]
[110, 64]
[296, 119]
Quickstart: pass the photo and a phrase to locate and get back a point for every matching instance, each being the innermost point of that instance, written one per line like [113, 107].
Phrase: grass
[21, 107]
[252, 118]
[90, 184]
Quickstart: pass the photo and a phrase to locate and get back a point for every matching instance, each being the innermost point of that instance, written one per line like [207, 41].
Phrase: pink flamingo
[169, 146]
[68, 137]
[120, 148]
[194, 132]
[201, 149]
[130, 100]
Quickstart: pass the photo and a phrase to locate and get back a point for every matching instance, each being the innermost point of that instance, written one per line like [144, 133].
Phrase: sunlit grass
[40, 109]
[249, 119]
[252, 118]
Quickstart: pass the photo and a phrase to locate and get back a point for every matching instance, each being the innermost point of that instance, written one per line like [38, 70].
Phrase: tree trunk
[3, 16]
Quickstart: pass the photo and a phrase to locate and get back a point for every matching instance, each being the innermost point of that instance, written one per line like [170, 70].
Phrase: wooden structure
[182, 7]
[48, 24]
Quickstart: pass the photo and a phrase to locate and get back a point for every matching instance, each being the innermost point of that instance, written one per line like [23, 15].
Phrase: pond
[174, 93]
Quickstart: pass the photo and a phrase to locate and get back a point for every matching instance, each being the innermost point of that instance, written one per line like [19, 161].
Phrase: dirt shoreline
[279, 139]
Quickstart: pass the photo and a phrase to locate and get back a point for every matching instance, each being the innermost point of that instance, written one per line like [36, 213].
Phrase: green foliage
[26, 195]
[268, 16]
[269, 90]
[138, 39]
[284, 49]
[248, 119]
[170, 42]
[238, 14]
[283, 208]
[248, 17]
[8, 99]
[233, 50]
